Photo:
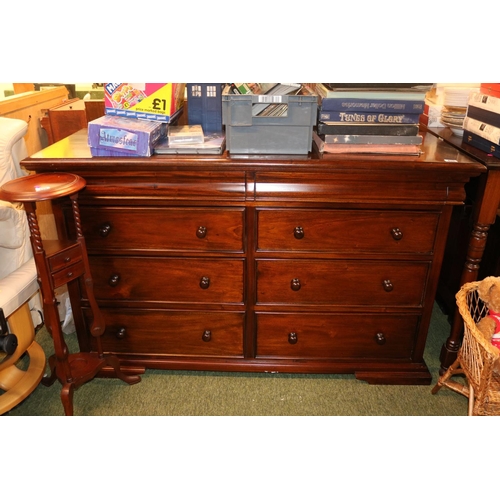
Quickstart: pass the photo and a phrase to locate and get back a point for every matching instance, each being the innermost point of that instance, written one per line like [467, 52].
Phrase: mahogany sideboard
[302, 264]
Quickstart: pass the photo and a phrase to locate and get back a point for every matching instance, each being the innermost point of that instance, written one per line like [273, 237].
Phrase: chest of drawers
[272, 264]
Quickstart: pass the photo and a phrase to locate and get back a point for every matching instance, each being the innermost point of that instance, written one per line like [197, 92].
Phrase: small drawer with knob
[298, 230]
[335, 336]
[340, 282]
[120, 229]
[171, 332]
[64, 258]
[68, 273]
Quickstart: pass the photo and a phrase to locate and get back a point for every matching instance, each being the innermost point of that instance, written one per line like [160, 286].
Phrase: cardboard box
[127, 136]
[147, 101]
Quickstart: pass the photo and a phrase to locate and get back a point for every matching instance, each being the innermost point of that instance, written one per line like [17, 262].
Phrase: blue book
[367, 129]
[480, 143]
[372, 105]
[360, 117]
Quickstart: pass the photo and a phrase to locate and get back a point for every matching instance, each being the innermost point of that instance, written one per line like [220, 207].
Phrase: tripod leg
[67, 399]
[48, 380]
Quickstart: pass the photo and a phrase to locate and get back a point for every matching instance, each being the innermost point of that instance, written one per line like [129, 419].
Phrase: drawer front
[118, 229]
[176, 333]
[167, 182]
[68, 274]
[336, 336]
[375, 283]
[165, 279]
[65, 258]
[346, 231]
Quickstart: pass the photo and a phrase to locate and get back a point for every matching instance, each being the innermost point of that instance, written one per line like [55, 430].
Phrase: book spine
[484, 101]
[374, 94]
[353, 117]
[484, 130]
[480, 143]
[372, 105]
[372, 139]
[483, 115]
[386, 149]
[353, 129]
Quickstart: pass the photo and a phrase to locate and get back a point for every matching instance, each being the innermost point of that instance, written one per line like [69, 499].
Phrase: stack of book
[375, 118]
[482, 121]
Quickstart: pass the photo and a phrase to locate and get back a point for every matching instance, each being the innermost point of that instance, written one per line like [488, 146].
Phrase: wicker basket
[477, 359]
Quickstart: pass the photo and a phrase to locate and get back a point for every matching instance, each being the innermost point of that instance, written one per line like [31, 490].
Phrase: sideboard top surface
[74, 152]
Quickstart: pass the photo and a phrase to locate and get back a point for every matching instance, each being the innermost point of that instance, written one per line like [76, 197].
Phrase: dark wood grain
[313, 264]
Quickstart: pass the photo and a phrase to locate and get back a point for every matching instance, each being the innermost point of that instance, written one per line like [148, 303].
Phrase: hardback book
[480, 143]
[380, 149]
[484, 130]
[409, 91]
[492, 89]
[372, 105]
[366, 129]
[484, 101]
[484, 115]
[361, 117]
[214, 144]
[372, 139]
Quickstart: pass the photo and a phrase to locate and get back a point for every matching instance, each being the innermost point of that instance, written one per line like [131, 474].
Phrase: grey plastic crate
[290, 134]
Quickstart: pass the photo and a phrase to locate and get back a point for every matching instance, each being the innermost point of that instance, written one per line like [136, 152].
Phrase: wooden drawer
[68, 274]
[163, 279]
[177, 333]
[341, 282]
[346, 231]
[336, 336]
[65, 258]
[170, 183]
[191, 229]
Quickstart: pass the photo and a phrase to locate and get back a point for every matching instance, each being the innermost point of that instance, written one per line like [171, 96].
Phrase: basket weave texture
[477, 358]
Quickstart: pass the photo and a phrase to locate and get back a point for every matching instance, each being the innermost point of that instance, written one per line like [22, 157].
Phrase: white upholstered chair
[20, 306]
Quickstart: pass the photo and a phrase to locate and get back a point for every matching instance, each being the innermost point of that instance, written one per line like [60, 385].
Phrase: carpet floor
[196, 393]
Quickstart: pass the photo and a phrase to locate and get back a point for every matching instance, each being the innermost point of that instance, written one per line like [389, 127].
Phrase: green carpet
[192, 393]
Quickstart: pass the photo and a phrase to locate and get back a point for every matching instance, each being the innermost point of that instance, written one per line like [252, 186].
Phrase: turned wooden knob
[201, 232]
[121, 332]
[388, 286]
[295, 284]
[114, 279]
[298, 232]
[292, 338]
[380, 338]
[105, 229]
[207, 336]
[397, 234]
[204, 282]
